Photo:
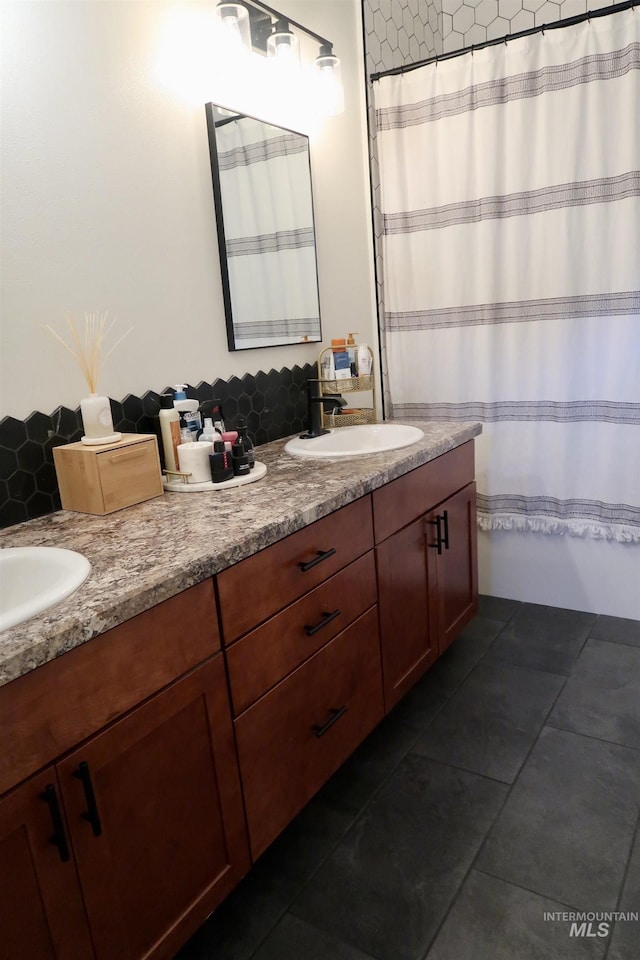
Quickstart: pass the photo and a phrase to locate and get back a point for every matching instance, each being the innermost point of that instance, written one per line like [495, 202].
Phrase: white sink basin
[32, 579]
[356, 441]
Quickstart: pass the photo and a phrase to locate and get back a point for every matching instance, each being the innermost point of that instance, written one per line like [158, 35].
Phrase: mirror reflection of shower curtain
[270, 241]
[510, 183]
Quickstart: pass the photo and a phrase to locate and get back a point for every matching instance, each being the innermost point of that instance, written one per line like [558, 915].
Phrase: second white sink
[356, 441]
[32, 579]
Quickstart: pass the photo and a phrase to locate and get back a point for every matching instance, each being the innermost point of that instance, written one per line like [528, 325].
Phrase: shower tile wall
[273, 404]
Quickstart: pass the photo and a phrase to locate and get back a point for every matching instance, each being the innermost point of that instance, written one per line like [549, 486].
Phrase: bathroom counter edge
[143, 555]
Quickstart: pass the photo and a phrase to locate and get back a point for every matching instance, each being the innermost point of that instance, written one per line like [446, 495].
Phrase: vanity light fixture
[234, 20]
[263, 29]
[283, 46]
[329, 81]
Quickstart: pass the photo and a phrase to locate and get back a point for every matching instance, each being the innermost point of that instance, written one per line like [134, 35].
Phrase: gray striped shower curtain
[510, 186]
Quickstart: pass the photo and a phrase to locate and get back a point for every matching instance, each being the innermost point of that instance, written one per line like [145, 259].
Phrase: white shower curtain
[510, 183]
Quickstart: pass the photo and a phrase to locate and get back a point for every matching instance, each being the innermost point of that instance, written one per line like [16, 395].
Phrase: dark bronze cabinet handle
[84, 774]
[445, 518]
[439, 540]
[335, 716]
[59, 838]
[320, 556]
[326, 618]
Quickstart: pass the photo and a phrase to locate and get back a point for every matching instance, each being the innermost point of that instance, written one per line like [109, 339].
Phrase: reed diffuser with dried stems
[87, 348]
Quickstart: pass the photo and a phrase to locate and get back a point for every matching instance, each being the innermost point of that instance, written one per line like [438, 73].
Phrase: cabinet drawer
[129, 476]
[407, 498]
[263, 657]
[54, 707]
[295, 737]
[261, 585]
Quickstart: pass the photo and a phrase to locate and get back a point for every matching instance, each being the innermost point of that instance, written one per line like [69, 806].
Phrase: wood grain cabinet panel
[42, 915]
[295, 737]
[406, 599]
[51, 709]
[427, 569]
[259, 586]
[403, 500]
[155, 814]
[263, 657]
[455, 568]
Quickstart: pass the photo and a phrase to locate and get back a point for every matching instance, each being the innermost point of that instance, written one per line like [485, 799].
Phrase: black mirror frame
[222, 243]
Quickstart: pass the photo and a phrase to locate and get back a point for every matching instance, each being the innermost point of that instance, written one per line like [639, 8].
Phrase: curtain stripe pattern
[502, 90]
[510, 189]
[517, 311]
[601, 190]
[271, 242]
[243, 155]
[568, 412]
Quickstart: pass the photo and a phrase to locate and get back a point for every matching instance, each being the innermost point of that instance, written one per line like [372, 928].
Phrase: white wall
[597, 576]
[107, 198]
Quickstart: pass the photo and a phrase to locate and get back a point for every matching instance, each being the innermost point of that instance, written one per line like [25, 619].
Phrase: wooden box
[102, 479]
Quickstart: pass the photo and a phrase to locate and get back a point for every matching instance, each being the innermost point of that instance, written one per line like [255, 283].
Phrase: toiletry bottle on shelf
[364, 361]
[247, 442]
[352, 350]
[240, 460]
[221, 463]
[342, 365]
[186, 405]
[213, 410]
[169, 431]
[208, 434]
[185, 432]
[192, 420]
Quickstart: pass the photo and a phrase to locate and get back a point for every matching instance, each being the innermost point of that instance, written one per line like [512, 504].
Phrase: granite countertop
[149, 552]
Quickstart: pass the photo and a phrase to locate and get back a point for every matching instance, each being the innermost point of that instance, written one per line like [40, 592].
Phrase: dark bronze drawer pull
[84, 774]
[326, 618]
[59, 838]
[335, 716]
[439, 539]
[321, 555]
[445, 516]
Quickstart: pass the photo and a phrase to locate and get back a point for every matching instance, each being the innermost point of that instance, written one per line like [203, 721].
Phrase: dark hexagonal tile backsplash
[273, 404]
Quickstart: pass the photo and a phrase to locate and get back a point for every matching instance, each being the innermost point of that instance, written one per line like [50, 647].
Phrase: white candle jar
[97, 420]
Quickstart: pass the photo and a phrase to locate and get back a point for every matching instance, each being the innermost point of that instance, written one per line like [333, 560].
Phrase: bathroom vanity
[144, 769]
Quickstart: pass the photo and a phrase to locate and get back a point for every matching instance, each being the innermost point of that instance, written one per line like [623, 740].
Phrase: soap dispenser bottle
[186, 405]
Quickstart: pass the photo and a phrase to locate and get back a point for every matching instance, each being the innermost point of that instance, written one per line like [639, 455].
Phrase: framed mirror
[264, 213]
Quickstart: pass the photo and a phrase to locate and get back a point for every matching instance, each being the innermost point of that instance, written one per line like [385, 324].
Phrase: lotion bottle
[169, 431]
[186, 405]
[364, 361]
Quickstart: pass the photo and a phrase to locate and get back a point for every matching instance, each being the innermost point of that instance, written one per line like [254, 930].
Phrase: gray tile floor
[505, 786]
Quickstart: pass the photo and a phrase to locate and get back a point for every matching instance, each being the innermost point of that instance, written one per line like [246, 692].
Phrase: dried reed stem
[87, 350]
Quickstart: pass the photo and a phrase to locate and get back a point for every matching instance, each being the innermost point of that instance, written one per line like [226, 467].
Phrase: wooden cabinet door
[455, 568]
[406, 609]
[41, 911]
[155, 812]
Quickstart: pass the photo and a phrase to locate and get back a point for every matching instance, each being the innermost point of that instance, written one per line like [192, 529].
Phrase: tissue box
[102, 479]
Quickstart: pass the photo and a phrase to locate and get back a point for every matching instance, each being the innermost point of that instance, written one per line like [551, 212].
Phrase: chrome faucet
[315, 398]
